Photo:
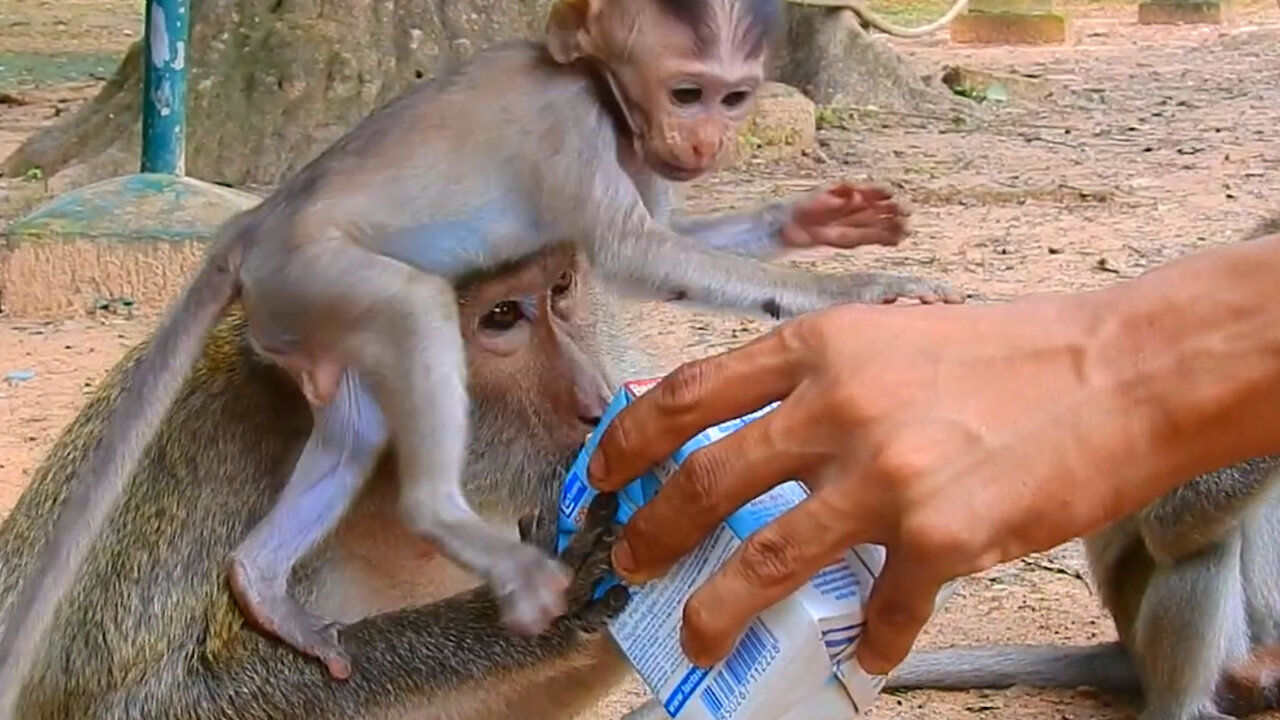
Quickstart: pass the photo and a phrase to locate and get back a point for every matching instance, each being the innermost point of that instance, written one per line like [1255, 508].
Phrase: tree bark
[828, 55]
[273, 82]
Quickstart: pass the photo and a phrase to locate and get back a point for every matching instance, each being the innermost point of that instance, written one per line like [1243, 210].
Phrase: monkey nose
[706, 151]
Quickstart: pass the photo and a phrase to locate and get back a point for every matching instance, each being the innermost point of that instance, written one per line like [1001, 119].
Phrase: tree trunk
[829, 56]
[273, 82]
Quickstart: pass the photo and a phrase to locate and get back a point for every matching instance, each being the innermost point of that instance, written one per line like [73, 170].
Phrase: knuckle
[768, 558]
[943, 541]
[849, 407]
[797, 338]
[619, 437]
[903, 460]
[700, 479]
[683, 389]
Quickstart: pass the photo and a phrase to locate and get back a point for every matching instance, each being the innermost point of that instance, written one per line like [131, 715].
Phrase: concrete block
[1010, 26]
[1182, 12]
[133, 240]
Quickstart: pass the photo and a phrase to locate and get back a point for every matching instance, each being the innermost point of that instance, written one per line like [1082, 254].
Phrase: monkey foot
[925, 291]
[877, 288]
[267, 605]
[531, 588]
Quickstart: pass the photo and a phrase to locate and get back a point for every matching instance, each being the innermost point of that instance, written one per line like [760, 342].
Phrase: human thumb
[901, 603]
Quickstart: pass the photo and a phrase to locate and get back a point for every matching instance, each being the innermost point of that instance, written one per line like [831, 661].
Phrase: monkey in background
[1192, 582]
[149, 630]
[345, 278]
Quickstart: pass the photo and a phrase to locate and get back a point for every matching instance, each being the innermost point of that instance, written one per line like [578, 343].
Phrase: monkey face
[688, 100]
[694, 117]
[531, 349]
[686, 72]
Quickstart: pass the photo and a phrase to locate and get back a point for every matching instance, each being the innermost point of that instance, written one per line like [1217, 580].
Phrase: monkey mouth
[678, 173]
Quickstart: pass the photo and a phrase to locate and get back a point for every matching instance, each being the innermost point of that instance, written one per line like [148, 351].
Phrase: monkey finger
[712, 482]
[597, 525]
[872, 215]
[901, 602]
[538, 529]
[834, 202]
[771, 564]
[695, 396]
[596, 613]
[842, 236]
[861, 193]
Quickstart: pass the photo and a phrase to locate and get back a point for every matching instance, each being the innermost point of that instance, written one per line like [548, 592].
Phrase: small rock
[1056, 250]
[15, 377]
[1106, 264]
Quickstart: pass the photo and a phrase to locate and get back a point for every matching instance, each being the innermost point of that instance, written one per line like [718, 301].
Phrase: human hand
[951, 435]
[845, 215]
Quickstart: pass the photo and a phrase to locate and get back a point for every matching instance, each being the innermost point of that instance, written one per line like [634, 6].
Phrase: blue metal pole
[164, 87]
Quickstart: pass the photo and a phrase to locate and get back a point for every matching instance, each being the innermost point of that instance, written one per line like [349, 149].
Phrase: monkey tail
[148, 391]
[1107, 667]
[884, 26]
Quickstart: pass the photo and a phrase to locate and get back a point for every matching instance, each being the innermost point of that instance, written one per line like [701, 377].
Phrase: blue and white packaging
[794, 662]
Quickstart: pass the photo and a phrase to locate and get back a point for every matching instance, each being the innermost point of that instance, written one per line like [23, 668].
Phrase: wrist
[778, 220]
[1181, 356]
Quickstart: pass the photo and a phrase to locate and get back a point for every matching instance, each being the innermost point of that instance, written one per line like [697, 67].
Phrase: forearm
[754, 234]
[1187, 361]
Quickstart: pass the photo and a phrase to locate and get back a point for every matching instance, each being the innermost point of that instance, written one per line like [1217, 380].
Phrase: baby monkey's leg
[410, 350]
[346, 439]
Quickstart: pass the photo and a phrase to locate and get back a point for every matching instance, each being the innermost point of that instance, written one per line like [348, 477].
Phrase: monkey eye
[736, 98]
[563, 284]
[502, 316]
[687, 95]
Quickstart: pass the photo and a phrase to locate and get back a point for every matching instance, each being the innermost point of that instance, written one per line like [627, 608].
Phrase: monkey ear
[567, 35]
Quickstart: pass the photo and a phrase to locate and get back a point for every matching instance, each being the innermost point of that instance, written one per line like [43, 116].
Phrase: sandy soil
[1156, 141]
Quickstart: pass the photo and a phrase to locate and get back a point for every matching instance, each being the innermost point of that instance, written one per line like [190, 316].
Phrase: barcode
[726, 690]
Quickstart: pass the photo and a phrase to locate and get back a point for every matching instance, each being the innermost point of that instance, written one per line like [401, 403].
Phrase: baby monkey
[345, 275]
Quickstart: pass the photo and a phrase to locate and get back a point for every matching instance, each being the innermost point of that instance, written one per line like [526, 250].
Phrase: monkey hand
[588, 558]
[845, 215]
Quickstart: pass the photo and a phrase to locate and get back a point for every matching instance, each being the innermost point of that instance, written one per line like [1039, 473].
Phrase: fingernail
[698, 659]
[596, 468]
[624, 563]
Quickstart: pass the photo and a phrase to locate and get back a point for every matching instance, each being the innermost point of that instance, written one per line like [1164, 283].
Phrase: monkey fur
[344, 275]
[149, 629]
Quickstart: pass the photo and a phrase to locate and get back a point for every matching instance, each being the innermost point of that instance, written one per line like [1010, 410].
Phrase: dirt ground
[1155, 141]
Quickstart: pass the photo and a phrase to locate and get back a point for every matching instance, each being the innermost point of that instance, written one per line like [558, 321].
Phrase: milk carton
[794, 662]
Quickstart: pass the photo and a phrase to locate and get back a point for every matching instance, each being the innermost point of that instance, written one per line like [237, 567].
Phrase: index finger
[695, 396]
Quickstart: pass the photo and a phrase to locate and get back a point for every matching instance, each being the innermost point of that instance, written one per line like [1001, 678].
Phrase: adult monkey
[149, 629]
[344, 271]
